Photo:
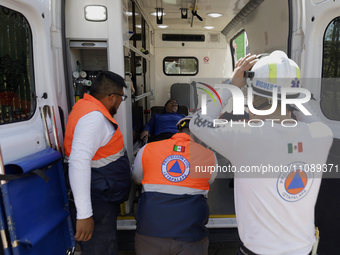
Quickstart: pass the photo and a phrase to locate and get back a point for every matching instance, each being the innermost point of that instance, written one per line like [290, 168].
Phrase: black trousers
[104, 238]
[159, 137]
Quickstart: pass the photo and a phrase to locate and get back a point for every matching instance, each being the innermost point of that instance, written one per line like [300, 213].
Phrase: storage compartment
[86, 60]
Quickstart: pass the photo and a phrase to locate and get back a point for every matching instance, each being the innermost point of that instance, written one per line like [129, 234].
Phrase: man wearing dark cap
[163, 126]
[99, 171]
[173, 210]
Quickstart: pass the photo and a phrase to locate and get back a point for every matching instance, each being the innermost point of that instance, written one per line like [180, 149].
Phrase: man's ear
[112, 99]
[107, 101]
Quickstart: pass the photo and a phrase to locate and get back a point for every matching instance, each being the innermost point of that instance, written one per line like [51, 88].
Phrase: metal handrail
[43, 111]
[137, 98]
[138, 52]
[43, 116]
[54, 128]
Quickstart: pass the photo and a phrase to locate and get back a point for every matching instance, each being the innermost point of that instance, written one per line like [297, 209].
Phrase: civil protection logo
[175, 168]
[295, 185]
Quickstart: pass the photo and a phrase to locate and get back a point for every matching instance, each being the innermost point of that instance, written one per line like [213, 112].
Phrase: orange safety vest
[175, 161]
[110, 179]
[82, 107]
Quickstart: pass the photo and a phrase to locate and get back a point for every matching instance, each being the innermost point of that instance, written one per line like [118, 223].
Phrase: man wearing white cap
[276, 185]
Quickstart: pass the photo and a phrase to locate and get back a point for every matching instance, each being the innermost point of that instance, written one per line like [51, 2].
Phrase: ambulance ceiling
[172, 17]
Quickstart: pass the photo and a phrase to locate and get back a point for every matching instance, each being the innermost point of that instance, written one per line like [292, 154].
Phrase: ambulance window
[180, 66]
[239, 45]
[17, 90]
[330, 90]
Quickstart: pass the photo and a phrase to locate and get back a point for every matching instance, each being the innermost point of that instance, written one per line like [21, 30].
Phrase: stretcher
[34, 215]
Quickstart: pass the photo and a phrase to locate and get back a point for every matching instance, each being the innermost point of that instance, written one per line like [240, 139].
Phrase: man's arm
[149, 127]
[90, 134]
[137, 167]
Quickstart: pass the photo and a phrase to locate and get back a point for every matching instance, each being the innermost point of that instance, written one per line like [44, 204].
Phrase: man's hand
[243, 64]
[84, 228]
[144, 134]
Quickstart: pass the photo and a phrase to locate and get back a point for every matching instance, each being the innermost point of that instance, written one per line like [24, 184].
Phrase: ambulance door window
[17, 90]
[330, 90]
[239, 45]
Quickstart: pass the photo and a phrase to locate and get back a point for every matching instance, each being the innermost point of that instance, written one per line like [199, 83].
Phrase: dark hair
[106, 83]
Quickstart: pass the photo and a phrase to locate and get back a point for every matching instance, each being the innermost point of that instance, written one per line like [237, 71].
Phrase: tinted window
[17, 93]
[330, 95]
[180, 66]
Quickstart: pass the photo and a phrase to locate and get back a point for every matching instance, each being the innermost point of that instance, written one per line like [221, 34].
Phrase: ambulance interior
[178, 43]
[165, 48]
[169, 45]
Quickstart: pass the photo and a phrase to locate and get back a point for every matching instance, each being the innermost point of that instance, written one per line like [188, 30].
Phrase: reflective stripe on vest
[104, 161]
[173, 162]
[174, 190]
[114, 148]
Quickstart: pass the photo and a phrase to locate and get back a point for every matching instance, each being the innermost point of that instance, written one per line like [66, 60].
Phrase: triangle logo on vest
[175, 168]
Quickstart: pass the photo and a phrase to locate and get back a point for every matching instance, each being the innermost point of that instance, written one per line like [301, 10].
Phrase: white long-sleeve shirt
[275, 211]
[92, 131]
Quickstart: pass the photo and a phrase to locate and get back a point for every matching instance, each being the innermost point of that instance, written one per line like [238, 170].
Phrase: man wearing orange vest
[99, 171]
[173, 210]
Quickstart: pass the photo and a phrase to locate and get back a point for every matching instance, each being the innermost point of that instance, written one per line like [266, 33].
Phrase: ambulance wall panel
[267, 27]
[216, 67]
[159, 43]
[76, 24]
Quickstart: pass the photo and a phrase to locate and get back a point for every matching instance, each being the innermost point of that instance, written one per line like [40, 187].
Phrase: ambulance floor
[217, 249]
